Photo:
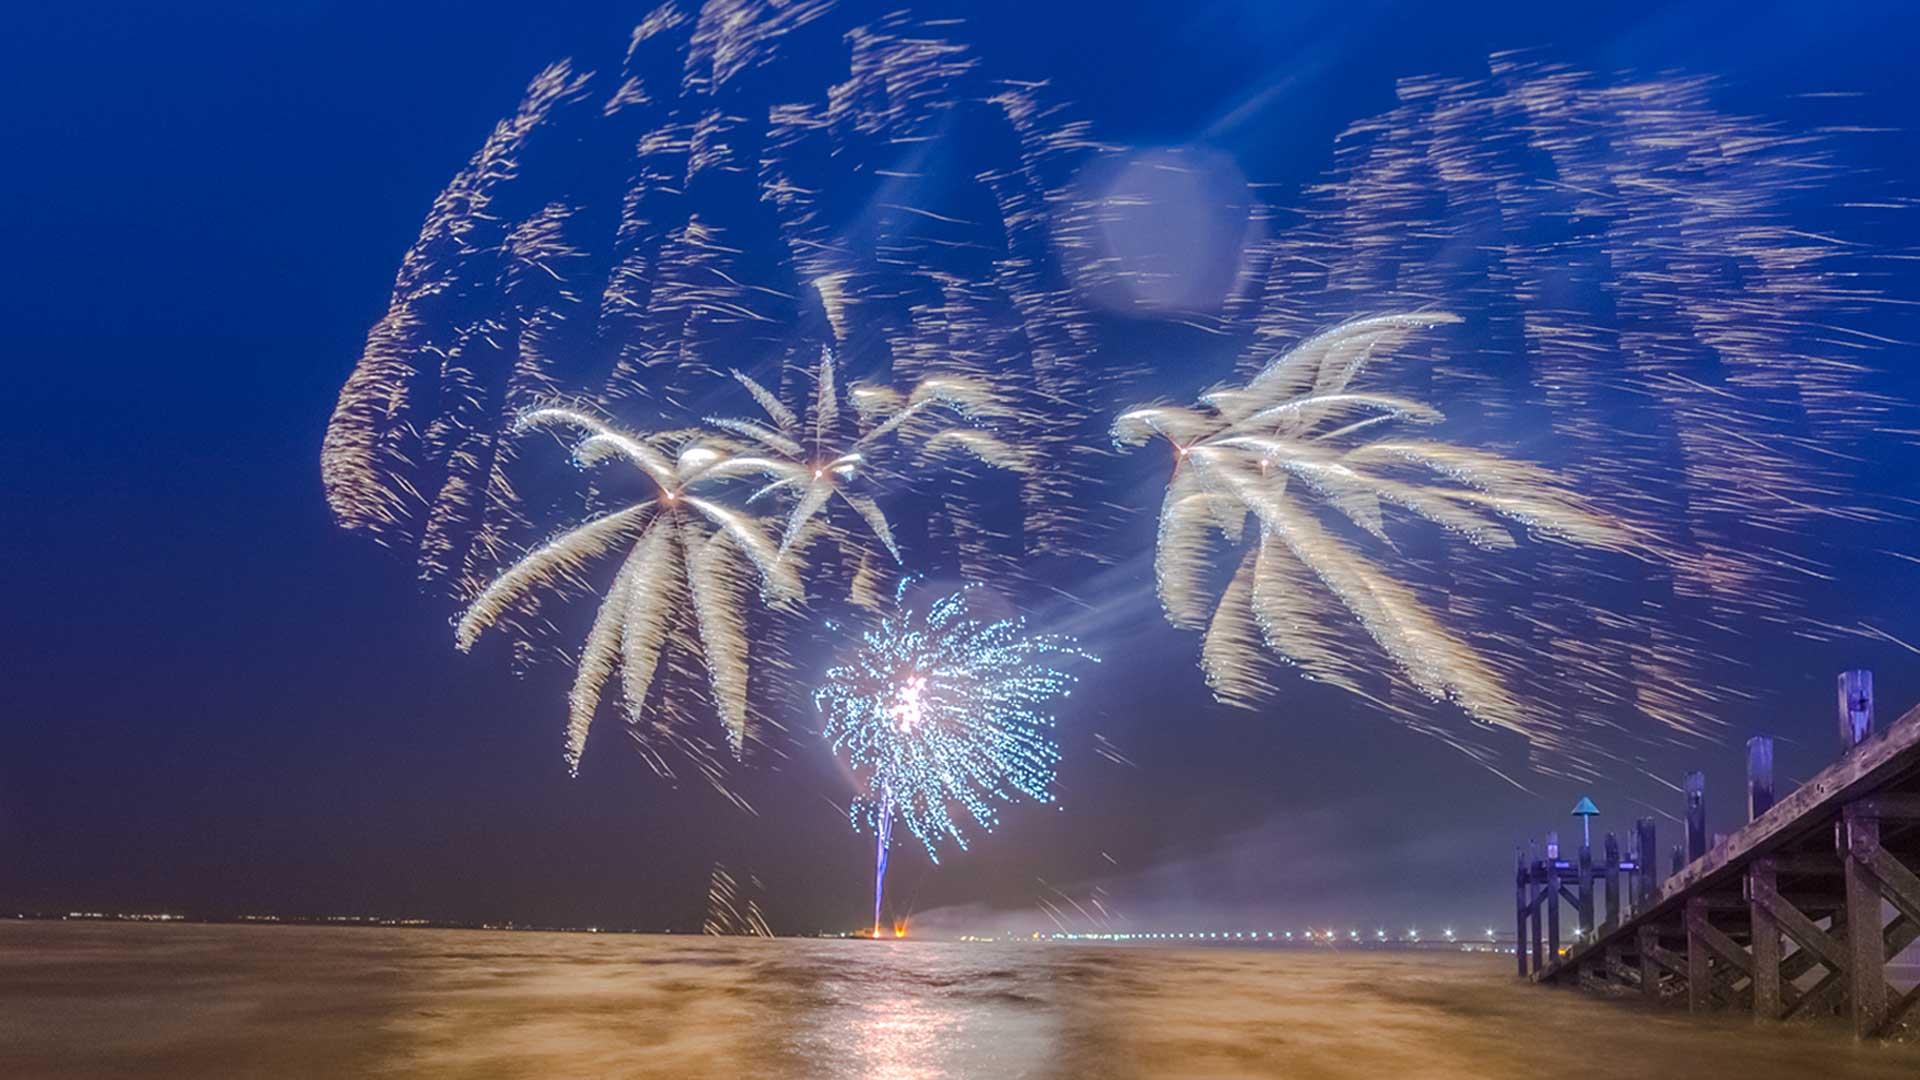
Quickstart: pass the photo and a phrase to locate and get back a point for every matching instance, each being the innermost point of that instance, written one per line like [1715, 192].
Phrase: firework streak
[1685, 303]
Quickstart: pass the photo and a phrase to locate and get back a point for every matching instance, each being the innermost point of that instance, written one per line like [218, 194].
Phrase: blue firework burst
[945, 717]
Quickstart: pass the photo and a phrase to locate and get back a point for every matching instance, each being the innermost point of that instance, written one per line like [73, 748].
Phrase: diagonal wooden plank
[1897, 883]
[1818, 992]
[1667, 958]
[1901, 1007]
[1802, 930]
[1723, 946]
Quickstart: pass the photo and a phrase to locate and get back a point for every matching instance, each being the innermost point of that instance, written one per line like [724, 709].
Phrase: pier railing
[1784, 918]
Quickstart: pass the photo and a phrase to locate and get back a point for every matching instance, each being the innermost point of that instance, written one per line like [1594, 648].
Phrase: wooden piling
[1534, 885]
[1521, 872]
[1845, 843]
[1647, 943]
[1759, 776]
[1696, 815]
[1614, 914]
[1646, 860]
[1866, 951]
[1553, 898]
[1585, 906]
[1856, 708]
[1761, 893]
[1699, 971]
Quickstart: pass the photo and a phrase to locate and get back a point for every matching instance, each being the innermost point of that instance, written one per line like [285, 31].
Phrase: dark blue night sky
[218, 702]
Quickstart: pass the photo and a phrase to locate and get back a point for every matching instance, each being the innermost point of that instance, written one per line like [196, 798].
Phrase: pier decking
[1784, 918]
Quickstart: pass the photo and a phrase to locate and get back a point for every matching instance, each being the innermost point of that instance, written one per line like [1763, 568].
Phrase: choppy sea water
[100, 1000]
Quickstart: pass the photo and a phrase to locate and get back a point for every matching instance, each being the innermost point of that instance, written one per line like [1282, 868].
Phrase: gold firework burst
[1299, 443]
[682, 552]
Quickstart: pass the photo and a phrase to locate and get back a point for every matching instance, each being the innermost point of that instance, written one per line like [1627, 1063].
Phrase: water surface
[79, 999]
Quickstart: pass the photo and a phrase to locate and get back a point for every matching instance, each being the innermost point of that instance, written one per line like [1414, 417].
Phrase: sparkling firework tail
[834, 466]
[688, 556]
[883, 839]
[494, 306]
[1297, 433]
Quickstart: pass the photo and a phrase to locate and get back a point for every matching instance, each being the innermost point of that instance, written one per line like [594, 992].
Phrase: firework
[1684, 297]
[941, 713]
[761, 177]
[681, 550]
[733, 908]
[1299, 442]
[811, 461]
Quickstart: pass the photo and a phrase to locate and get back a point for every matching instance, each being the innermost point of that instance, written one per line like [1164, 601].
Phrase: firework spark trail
[726, 915]
[816, 465]
[1298, 436]
[1639, 277]
[685, 556]
[940, 713]
[774, 193]
[1630, 259]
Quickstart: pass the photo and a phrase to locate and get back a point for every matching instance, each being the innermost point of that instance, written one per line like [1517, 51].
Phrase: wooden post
[1866, 947]
[1766, 939]
[1586, 894]
[1649, 941]
[1759, 776]
[1520, 876]
[1696, 815]
[1533, 905]
[1647, 860]
[1553, 898]
[1613, 883]
[1699, 974]
[1856, 708]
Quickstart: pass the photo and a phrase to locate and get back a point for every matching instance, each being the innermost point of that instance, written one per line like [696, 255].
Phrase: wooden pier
[1785, 918]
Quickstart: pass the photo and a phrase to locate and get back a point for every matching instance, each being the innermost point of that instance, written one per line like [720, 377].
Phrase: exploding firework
[805, 455]
[941, 713]
[1298, 442]
[683, 553]
[1674, 307]
[744, 182]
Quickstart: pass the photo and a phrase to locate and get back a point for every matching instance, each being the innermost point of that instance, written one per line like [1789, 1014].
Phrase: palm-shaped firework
[813, 460]
[1297, 439]
[682, 551]
[941, 713]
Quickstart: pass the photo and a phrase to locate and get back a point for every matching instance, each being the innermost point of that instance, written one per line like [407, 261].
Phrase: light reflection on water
[915, 1010]
[117, 999]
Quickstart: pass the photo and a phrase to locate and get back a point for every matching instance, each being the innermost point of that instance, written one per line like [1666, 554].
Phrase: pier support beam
[1699, 963]
[1767, 1003]
[1553, 898]
[1614, 915]
[1586, 894]
[1866, 956]
[1521, 909]
[1647, 943]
